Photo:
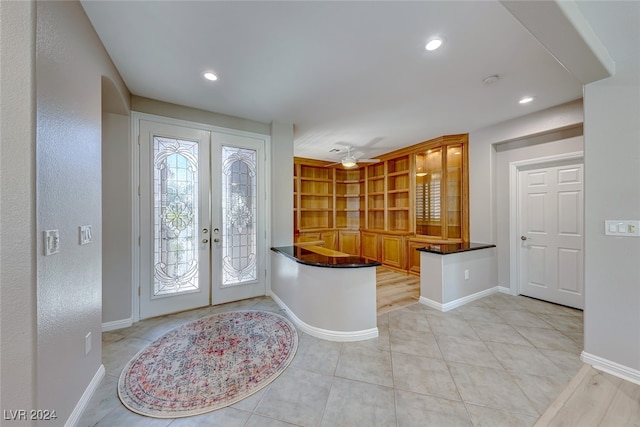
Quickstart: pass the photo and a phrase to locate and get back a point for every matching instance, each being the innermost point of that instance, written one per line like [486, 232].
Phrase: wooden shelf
[373, 210]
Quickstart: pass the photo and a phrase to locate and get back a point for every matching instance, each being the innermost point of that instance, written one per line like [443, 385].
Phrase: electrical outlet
[466, 275]
[87, 343]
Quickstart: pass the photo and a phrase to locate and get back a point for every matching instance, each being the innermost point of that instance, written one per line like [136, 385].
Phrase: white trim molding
[460, 301]
[77, 412]
[610, 367]
[117, 324]
[326, 334]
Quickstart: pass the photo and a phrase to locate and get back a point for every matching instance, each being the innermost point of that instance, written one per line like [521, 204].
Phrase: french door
[551, 237]
[202, 227]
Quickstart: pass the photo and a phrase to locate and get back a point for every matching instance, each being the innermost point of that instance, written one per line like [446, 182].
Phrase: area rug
[208, 364]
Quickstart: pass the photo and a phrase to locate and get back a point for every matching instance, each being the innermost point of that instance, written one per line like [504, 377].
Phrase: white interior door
[174, 217]
[551, 231]
[238, 217]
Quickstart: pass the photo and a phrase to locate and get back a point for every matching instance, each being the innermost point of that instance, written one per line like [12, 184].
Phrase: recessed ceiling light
[434, 43]
[210, 76]
[526, 100]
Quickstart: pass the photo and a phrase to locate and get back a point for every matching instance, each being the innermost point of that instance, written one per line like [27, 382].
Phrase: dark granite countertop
[454, 248]
[304, 256]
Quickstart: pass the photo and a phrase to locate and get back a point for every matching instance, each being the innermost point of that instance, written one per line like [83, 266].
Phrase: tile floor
[498, 361]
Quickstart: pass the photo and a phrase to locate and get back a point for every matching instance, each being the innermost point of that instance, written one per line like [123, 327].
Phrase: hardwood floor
[594, 398]
[395, 290]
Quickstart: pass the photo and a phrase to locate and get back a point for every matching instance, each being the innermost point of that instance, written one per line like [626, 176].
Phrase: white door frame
[514, 226]
[135, 202]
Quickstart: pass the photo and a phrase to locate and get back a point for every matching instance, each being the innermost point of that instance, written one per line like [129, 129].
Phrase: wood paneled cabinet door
[349, 241]
[392, 250]
[370, 245]
[413, 255]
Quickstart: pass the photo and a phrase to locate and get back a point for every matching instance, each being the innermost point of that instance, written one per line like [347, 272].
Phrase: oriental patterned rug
[208, 364]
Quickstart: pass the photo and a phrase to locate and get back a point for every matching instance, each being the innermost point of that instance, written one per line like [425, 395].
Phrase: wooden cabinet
[392, 251]
[313, 203]
[370, 245]
[399, 196]
[384, 210]
[442, 190]
[349, 242]
[349, 191]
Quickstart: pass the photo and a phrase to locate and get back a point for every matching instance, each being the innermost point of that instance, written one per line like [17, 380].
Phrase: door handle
[523, 238]
[205, 240]
[216, 240]
[205, 231]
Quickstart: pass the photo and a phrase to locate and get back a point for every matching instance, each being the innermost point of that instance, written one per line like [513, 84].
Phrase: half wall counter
[328, 294]
[453, 274]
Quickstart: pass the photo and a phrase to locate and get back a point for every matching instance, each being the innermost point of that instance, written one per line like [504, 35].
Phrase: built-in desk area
[328, 294]
[453, 274]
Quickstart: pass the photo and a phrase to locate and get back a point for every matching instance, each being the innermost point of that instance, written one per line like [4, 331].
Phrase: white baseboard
[117, 324]
[613, 368]
[505, 290]
[326, 334]
[86, 397]
[460, 301]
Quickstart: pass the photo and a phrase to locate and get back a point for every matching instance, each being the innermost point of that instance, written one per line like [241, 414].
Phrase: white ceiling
[352, 73]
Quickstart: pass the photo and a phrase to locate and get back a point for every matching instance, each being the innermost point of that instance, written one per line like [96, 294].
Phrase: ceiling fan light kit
[351, 160]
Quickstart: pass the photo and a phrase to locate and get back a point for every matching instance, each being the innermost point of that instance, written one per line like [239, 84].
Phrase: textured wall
[17, 208]
[116, 218]
[612, 191]
[70, 63]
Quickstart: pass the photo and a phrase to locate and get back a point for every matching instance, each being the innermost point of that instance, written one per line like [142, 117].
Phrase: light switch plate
[51, 242]
[626, 228]
[85, 234]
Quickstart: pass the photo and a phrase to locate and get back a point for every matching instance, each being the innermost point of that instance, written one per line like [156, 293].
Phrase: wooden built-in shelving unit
[385, 210]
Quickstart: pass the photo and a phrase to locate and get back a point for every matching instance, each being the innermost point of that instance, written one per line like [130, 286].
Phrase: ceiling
[343, 73]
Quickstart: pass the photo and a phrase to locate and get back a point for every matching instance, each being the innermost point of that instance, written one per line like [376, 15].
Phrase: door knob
[216, 240]
[523, 237]
[216, 230]
[205, 240]
[205, 231]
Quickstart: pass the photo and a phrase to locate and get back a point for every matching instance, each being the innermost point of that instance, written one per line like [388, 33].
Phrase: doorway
[202, 216]
[547, 229]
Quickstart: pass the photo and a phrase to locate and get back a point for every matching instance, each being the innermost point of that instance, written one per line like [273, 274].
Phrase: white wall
[483, 160]
[612, 177]
[282, 184]
[18, 352]
[70, 65]
[116, 217]
[151, 106]
[505, 156]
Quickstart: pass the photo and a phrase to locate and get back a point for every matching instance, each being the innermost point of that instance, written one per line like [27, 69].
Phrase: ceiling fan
[352, 159]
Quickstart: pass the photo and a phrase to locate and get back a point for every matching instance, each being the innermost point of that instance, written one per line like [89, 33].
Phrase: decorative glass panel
[175, 202]
[239, 210]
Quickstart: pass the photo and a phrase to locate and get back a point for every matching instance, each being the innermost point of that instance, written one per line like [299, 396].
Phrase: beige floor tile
[405, 362]
[494, 388]
[489, 417]
[423, 375]
[419, 410]
[354, 403]
[297, 397]
[365, 365]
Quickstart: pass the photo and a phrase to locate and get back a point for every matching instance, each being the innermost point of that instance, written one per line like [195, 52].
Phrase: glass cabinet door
[439, 192]
[454, 192]
[428, 192]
